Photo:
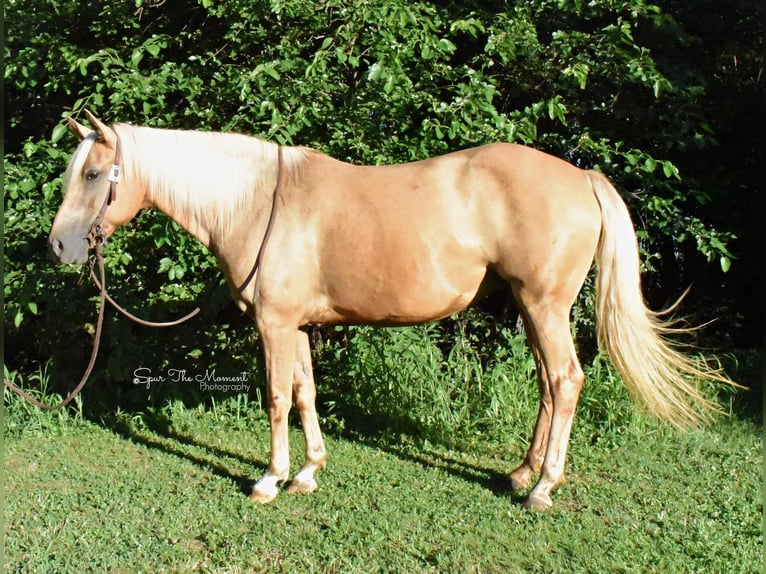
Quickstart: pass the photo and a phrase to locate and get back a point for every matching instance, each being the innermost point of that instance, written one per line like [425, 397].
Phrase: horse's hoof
[302, 487]
[537, 502]
[518, 484]
[263, 496]
[520, 478]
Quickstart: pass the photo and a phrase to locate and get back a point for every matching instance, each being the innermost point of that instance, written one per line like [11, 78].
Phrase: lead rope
[139, 320]
[96, 237]
[99, 258]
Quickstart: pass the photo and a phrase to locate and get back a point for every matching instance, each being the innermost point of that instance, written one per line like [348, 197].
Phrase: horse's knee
[304, 390]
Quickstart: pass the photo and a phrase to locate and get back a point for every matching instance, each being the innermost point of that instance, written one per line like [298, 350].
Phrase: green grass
[164, 491]
[421, 434]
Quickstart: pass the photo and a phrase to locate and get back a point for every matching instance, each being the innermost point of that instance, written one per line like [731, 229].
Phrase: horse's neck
[206, 182]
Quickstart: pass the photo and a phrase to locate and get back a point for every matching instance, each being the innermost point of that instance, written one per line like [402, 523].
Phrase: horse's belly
[409, 301]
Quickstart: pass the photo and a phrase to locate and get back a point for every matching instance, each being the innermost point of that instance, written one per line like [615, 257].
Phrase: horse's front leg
[304, 392]
[279, 349]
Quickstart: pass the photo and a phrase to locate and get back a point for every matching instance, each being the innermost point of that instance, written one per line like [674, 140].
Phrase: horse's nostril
[56, 246]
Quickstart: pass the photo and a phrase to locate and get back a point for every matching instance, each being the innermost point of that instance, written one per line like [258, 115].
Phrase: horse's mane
[211, 177]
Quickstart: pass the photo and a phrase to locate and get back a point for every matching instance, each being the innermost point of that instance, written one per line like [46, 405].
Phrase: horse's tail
[635, 338]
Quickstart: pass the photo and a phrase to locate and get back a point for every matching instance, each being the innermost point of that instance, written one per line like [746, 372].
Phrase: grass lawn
[165, 491]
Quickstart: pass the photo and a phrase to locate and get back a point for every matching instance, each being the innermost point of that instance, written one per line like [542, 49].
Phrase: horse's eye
[91, 175]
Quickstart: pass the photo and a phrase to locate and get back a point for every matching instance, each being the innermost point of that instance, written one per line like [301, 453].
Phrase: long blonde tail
[655, 372]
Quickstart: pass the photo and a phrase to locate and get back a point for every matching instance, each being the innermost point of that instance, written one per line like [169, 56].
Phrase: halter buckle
[96, 237]
[115, 173]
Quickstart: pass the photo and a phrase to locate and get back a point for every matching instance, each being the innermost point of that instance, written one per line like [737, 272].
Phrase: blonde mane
[208, 177]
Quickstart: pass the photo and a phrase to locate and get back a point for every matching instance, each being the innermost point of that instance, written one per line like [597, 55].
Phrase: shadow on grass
[170, 442]
[498, 483]
[155, 431]
[747, 369]
[388, 431]
[399, 436]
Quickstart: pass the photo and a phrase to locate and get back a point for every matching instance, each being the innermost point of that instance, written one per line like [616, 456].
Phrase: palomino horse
[393, 245]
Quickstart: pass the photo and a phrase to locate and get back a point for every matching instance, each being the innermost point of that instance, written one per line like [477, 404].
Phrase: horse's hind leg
[549, 323]
[533, 461]
[304, 393]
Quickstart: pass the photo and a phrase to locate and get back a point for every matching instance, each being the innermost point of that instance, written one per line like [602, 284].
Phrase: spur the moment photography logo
[208, 380]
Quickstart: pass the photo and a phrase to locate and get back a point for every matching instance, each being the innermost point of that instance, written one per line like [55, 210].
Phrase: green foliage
[21, 417]
[443, 385]
[607, 85]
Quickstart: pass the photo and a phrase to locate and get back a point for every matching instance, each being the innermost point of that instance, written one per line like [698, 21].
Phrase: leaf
[58, 132]
[153, 49]
[165, 264]
[376, 70]
[670, 170]
[557, 110]
[447, 45]
[32, 307]
[725, 263]
[136, 58]
[389, 85]
[407, 17]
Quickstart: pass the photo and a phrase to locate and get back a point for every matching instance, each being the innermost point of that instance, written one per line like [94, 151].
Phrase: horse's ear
[79, 130]
[103, 132]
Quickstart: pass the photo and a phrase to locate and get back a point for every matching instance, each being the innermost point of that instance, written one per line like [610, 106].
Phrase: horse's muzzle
[65, 250]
